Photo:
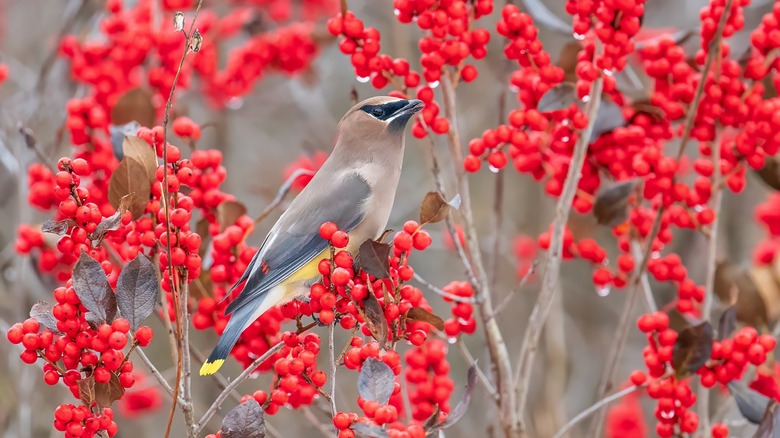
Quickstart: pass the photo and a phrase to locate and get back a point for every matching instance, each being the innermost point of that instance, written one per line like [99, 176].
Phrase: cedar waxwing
[354, 189]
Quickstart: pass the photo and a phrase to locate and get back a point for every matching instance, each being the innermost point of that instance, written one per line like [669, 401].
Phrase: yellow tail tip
[210, 368]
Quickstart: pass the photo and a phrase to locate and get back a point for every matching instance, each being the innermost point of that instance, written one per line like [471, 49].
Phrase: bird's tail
[239, 320]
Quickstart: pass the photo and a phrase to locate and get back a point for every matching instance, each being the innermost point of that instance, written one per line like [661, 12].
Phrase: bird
[354, 188]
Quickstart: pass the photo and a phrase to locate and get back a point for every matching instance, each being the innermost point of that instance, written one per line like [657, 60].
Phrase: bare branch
[333, 367]
[593, 408]
[443, 292]
[282, 193]
[553, 265]
[502, 305]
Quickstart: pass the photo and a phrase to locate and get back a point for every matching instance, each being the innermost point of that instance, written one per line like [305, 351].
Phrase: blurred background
[289, 117]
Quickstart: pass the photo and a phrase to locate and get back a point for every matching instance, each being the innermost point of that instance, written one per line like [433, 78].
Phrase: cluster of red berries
[731, 356]
[428, 375]
[81, 422]
[462, 311]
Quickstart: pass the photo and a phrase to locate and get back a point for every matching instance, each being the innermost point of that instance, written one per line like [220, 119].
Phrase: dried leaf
[196, 41]
[434, 208]
[108, 393]
[134, 174]
[41, 312]
[112, 222]
[560, 97]
[376, 381]
[611, 206]
[463, 405]
[202, 228]
[135, 105]
[740, 288]
[369, 430]
[373, 258]
[692, 348]
[433, 420]
[375, 317]
[57, 227]
[770, 173]
[136, 290]
[567, 60]
[608, 117]
[118, 134]
[228, 213]
[87, 390]
[770, 423]
[92, 288]
[751, 404]
[246, 420]
[727, 323]
[178, 21]
[420, 314]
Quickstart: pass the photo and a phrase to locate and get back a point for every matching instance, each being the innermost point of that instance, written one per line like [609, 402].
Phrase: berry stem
[553, 264]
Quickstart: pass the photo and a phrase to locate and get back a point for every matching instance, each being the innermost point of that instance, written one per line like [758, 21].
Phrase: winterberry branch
[593, 408]
[443, 292]
[499, 354]
[282, 193]
[333, 367]
[553, 263]
[482, 377]
[502, 305]
[237, 381]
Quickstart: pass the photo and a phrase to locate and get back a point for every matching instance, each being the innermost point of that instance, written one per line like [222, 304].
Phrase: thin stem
[703, 395]
[332, 368]
[644, 280]
[502, 305]
[443, 292]
[237, 381]
[593, 408]
[502, 367]
[282, 193]
[189, 416]
[168, 229]
[482, 377]
[553, 265]
[153, 369]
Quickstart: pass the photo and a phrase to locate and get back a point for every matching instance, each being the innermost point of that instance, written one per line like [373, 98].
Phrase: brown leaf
[87, 390]
[135, 105]
[767, 286]
[770, 173]
[770, 423]
[228, 213]
[134, 174]
[567, 60]
[750, 292]
[373, 258]
[434, 208]
[420, 314]
[42, 312]
[560, 97]
[611, 206]
[57, 227]
[112, 222]
[375, 317]
[692, 348]
[108, 393]
[202, 228]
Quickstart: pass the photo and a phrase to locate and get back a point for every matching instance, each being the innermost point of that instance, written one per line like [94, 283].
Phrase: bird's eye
[378, 112]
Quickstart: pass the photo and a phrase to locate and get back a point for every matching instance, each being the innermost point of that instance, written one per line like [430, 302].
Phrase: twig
[499, 355]
[482, 377]
[237, 381]
[316, 422]
[553, 265]
[443, 292]
[502, 305]
[282, 193]
[593, 408]
[644, 280]
[167, 210]
[187, 409]
[332, 369]
[435, 170]
[153, 369]
[712, 265]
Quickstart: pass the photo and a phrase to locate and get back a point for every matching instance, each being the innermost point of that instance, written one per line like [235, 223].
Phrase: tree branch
[282, 193]
[499, 354]
[333, 367]
[593, 408]
[553, 265]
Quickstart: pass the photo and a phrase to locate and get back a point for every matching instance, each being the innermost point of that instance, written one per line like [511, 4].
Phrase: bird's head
[379, 116]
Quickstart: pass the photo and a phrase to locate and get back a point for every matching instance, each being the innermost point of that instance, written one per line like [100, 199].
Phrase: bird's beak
[412, 106]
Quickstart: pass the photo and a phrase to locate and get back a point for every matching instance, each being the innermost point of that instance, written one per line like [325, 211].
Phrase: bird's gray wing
[295, 240]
